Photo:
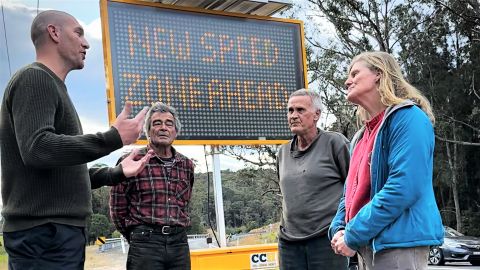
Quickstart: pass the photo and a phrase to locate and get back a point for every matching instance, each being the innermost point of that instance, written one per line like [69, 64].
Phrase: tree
[437, 43]
[245, 207]
[99, 225]
[359, 26]
[439, 59]
[100, 201]
[258, 156]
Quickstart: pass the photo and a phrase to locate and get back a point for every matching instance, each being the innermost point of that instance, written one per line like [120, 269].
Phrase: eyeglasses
[168, 123]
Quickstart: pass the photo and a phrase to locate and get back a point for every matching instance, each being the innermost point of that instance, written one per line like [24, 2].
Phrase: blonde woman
[388, 215]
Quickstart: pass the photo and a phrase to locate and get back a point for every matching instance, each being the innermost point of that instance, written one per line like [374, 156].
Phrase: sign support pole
[217, 186]
[122, 239]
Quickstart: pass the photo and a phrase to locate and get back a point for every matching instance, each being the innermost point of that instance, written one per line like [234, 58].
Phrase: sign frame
[111, 102]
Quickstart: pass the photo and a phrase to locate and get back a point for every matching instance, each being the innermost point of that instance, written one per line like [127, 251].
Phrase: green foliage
[196, 226]
[437, 43]
[99, 225]
[441, 59]
[100, 200]
[116, 234]
[236, 230]
[271, 237]
[247, 204]
[2, 252]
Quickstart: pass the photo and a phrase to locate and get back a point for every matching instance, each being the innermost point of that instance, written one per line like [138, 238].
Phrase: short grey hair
[314, 96]
[161, 108]
[38, 30]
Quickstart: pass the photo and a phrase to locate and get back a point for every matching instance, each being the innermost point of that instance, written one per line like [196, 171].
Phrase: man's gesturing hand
[130, 129]
[132, 166]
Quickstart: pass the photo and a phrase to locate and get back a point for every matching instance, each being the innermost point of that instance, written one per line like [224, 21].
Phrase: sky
[87, 86]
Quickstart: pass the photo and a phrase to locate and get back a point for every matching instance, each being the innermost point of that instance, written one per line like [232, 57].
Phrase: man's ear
[53, 32]
[317, 115]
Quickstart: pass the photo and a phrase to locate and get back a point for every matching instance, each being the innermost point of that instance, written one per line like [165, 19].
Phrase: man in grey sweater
[46, 186]
[312, 169]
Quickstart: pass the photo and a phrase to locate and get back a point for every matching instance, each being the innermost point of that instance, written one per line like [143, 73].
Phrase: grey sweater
[44, 154]
[311, 182]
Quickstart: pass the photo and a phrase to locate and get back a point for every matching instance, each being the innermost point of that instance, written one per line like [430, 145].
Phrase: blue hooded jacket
[402, 211]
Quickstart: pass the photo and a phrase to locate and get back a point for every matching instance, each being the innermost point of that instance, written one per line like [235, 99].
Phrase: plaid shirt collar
[178, 157]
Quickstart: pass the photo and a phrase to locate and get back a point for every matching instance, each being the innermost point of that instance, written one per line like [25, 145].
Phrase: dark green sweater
[44, 154]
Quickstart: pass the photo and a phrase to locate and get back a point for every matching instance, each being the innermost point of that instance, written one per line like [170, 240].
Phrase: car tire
[476, 263]
[435, 256]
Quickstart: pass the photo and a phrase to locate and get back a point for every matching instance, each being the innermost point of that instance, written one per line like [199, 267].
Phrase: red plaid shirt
[158, 195]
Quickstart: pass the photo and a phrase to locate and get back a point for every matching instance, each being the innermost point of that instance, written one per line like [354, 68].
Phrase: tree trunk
[452, 162]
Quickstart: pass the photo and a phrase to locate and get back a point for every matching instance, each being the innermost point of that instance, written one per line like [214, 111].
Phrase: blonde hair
[393, 88]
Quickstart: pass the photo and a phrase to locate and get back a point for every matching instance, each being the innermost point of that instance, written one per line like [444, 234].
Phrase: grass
[3, 256]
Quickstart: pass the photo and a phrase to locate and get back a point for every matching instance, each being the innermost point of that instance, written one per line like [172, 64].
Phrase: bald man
[46, 186]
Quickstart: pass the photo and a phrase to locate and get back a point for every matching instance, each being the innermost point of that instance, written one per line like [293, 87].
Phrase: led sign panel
[228, 75]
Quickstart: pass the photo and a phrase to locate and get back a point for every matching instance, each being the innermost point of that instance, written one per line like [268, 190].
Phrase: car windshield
[451, 232]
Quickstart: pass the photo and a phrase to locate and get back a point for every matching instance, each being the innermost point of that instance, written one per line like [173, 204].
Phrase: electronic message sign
[228, 75]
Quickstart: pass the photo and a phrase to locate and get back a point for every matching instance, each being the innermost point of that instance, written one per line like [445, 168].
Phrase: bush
[99, 225]
[116, 234]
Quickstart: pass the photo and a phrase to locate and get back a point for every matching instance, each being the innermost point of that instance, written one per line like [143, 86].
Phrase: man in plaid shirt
[151, 209]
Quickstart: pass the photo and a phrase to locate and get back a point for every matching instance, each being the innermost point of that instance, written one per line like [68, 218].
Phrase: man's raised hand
[130, 129]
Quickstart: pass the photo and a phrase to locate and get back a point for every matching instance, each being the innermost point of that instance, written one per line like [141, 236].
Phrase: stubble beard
[157, 144]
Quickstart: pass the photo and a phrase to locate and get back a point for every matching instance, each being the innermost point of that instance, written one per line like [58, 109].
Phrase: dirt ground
[110, 260]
